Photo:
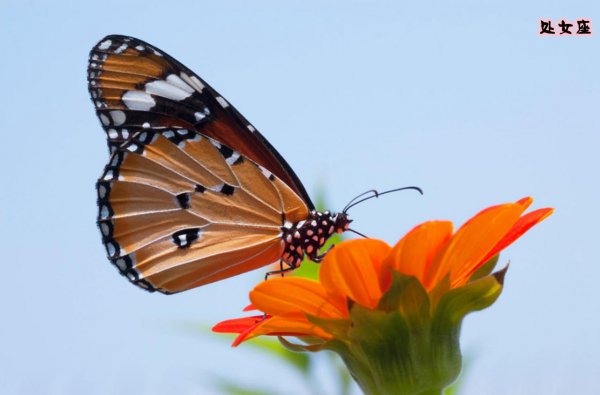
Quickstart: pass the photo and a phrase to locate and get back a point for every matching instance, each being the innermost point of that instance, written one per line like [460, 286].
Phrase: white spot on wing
[122, 48]
[104, 44]
[166, 90]
[231, 160]
[140, 48]
[251, 128]
[199, 116]
[222, 102]
[112, 133]
[168, 134]
[216, 188]
[178, 82]
[101, 191]
[118, 117]
[120, 263]
[104, 119]
[265, 172]
[136, 100]
[192, 81]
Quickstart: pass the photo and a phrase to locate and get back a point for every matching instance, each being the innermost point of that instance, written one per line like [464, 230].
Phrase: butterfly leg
[281, 270]
[320, 257]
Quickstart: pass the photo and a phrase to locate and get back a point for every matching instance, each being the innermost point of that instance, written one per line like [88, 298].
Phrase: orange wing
[135, 85]
[178, 210]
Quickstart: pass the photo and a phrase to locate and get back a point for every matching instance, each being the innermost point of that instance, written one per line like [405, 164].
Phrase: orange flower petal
[244, 326]
[415, 251]
[474, 240]
[286, 295]
[524, 223]
[525, 202]
[288, 325]
[237, 325]
[352, 269]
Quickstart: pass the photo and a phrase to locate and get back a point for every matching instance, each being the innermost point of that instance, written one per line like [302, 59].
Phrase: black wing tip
[118, 37]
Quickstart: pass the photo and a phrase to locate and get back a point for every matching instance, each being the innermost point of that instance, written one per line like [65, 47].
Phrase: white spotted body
[308, 236]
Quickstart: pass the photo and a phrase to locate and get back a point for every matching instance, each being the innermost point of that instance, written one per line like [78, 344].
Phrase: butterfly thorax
[308, 236]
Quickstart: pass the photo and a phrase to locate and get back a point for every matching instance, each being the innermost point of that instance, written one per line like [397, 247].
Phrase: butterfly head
[341, 222]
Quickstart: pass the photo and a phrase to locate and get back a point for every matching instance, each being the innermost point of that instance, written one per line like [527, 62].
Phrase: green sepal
[458, 302]
[450, 311]
[300, 347]
[338, 328]
[388, 352]
[407, 295]
[485, 269]
[440, 289]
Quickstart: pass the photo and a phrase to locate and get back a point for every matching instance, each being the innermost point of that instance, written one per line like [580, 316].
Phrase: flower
[393, 313]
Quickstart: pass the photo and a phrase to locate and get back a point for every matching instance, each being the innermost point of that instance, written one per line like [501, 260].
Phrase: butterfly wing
[178, 210]
[135, 86]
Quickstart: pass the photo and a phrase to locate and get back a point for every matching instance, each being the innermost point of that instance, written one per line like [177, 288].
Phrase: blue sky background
[462, 98]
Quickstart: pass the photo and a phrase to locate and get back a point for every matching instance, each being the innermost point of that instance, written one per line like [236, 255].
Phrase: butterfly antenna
[358, 233]
[376, 194]
[373, 191]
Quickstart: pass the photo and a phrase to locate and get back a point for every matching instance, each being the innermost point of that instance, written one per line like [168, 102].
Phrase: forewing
[178, 210]
[135, 86]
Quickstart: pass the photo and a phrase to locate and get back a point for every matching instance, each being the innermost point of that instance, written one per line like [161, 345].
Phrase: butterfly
[192, 192]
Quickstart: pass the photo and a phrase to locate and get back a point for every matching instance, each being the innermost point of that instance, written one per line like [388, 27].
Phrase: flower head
[393, 310]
